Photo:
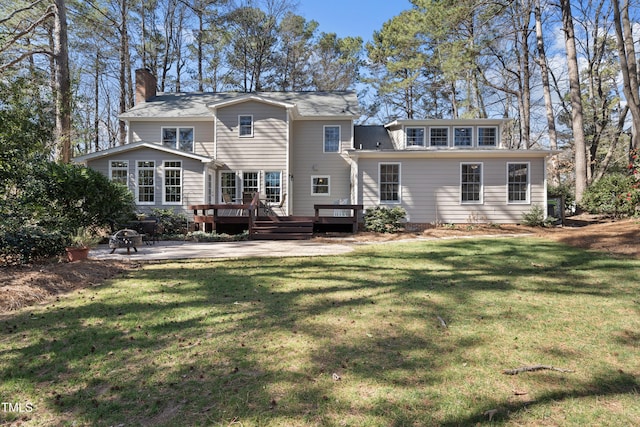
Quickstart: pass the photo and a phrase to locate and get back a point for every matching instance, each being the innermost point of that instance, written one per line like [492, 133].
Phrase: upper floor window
[439, 137]
[178, 138]
[471, 182]
[463, 137]
[487, 137]
[119, 171]
[415, 137]
[331, 139]
[245, 126]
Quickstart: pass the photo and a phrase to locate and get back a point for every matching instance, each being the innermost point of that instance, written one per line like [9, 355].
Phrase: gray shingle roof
[197, 105]
[371, 138]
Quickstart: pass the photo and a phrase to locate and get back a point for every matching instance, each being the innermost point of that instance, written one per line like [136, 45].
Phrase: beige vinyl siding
[152, 132]
[430, 189]
[265, 150]
[192, 177]
[308, 159]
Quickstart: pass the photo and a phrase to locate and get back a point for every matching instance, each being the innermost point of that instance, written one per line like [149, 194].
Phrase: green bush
[566, 191]
[613, 195]
[170, 221]
[30, 243]
[384, 220]
[535, 217]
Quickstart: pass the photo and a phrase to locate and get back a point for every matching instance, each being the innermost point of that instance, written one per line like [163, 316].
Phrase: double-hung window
[518, 182]
[331, 139]
[487, 136]
[245, 126]
[273, 186]
[389, 179]
[320, 186]
[178, 138]
[250, 184]
[462, 137]
[471, 183]
[228, 187]
[119, 171]
[146, 187]
[173, 182]
[415, 137]
[439, 137]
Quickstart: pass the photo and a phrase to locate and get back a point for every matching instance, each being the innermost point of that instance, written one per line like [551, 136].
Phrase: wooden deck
[264, 224]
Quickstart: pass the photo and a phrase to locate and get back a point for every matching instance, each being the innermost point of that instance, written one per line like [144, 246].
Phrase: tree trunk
[626, 53]
[554, 174]
[62, 82]
[122, 130]
[576, 101]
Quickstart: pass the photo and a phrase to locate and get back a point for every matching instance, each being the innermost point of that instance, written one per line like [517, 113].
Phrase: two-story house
[302, 149]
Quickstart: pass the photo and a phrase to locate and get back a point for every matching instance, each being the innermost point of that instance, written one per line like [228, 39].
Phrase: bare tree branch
[23, 56]
[15, 12]
[48, 14]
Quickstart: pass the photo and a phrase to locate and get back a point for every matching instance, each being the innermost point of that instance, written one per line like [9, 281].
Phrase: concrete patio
[166, 250]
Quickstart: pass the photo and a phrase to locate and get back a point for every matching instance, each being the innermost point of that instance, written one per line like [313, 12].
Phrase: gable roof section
[199, 106]
[137, 146]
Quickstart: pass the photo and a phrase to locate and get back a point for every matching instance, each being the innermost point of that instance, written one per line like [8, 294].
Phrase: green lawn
[258, 341]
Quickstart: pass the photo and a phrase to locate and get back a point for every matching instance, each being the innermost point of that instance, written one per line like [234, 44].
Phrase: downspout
[288, 202]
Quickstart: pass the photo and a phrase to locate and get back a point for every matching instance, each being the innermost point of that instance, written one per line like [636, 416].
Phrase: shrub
[535, 217]
[170, 222]
[567, 193]
[30, 243]
[384, 220]
[614, 195]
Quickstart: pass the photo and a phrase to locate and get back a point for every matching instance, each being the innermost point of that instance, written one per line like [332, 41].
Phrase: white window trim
[324, 138]
[241, 176]
[390, 202]
[280, 180]
[111, 168]
[406, 136]
[239, 127]
[155, 178]
[164, 183]
[453, 137]
[473, 202]
[177, 128]
[448, 136]
[328, 177]
[520, 202]
[496, 142]
[235, 187]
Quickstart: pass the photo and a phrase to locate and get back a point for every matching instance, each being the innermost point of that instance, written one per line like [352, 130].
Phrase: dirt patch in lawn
[27, 285]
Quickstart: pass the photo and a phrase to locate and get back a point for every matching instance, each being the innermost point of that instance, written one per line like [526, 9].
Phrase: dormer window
[415, 137]
[439, 137]
[462, 137]
[487, 136]
[178, 138]
[245, 126]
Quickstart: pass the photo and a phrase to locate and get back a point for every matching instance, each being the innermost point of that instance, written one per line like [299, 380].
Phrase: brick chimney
[146, 84]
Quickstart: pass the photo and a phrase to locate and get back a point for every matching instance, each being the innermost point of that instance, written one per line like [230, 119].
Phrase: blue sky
[351, 17]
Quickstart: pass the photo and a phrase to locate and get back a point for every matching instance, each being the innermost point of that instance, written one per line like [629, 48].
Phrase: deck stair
[282, 228]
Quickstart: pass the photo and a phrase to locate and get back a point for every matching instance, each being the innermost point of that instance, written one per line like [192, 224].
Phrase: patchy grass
[349, 340]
